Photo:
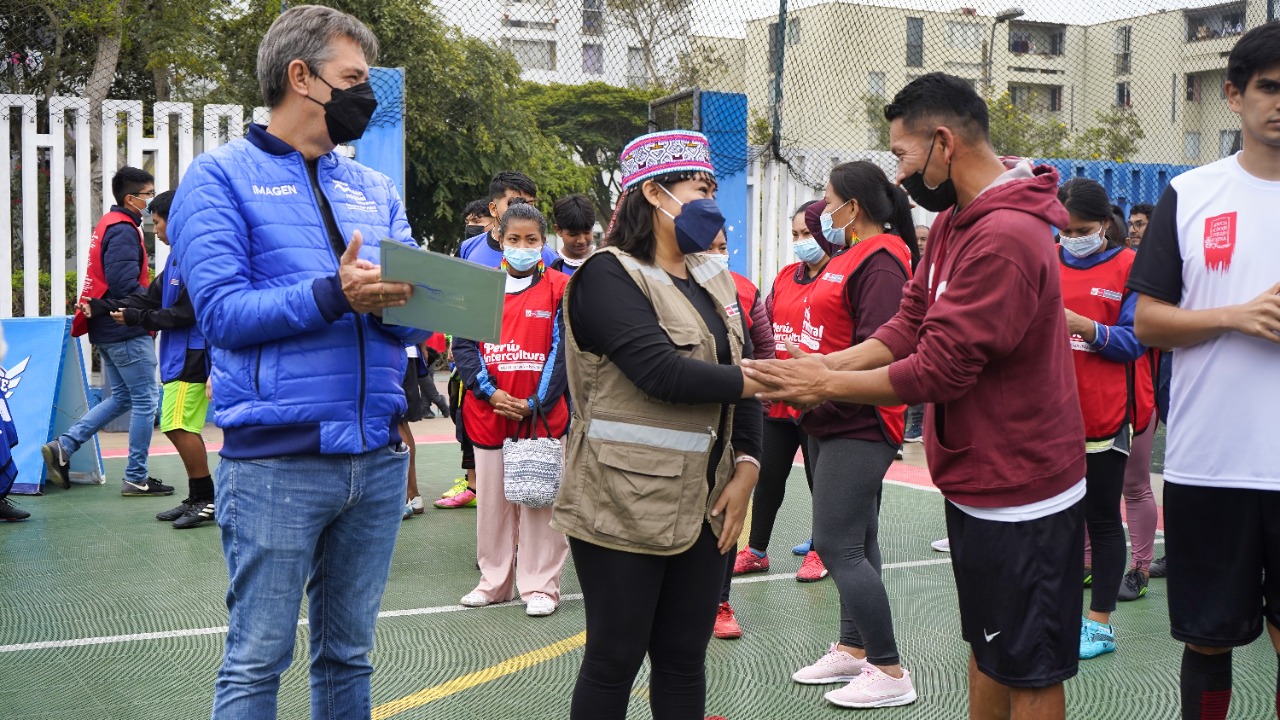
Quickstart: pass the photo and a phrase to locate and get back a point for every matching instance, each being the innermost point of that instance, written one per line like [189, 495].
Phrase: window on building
[1228, 143]
[773, 48]
[637, 74]
[1123, 99]
[532, 54]
[793, 31]
[915, 42]
[964, 35]
[1218, 22]
[593, 59]
[1124, 49]
[1191, 145]
[1193, 87]
[1020, 96]
[592, 17]
[1028, 39]
[1055, 98]
[877, 86]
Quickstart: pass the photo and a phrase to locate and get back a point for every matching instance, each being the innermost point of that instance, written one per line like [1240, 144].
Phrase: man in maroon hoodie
[981, 337]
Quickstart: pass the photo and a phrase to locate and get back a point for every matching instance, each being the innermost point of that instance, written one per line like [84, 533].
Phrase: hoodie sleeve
[761, 331]
[901, 332]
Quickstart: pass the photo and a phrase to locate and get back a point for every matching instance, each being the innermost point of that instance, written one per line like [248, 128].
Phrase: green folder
[450, 295]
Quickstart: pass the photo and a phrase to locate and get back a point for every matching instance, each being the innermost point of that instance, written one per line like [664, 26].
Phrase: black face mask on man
[348, 111]
[933, 199]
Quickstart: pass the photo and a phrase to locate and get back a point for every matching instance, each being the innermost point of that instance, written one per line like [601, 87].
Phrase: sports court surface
[107, 614]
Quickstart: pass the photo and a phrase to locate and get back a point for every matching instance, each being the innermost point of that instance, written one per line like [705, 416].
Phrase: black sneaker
[10, 512]
[151, 487]
[198, 511]
[58, 463]
[1133, 586]
[1158, 568]
[175, 513]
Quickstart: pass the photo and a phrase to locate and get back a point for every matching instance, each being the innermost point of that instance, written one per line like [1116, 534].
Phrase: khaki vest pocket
[640, 492]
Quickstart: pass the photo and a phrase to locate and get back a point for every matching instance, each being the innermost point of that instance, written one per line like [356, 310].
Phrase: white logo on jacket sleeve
[276, 190]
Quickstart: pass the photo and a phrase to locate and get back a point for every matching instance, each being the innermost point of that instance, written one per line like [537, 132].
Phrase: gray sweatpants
[847, 479]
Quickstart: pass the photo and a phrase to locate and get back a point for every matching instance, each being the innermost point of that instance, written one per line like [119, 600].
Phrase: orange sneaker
[749, 562]
[812, 569]
[727, 627]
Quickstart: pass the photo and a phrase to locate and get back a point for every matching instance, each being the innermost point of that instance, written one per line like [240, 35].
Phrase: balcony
[1223, 21]
[1037, 39]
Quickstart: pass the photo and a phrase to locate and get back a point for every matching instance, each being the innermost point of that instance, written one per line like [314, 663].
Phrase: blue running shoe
[803, 548]
[1096, 639]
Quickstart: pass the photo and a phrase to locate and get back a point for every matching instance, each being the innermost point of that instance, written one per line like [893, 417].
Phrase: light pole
[1012, 13]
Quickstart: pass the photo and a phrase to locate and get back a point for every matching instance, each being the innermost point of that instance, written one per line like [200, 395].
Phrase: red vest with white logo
[790, 299]
[747, 292]
[1111, 393]
[516, 364]
[826, 326]
[95, 280]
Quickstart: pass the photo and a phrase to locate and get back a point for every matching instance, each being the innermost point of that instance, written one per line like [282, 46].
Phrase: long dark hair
[632, 230]
[1087, 200]
[885, 203]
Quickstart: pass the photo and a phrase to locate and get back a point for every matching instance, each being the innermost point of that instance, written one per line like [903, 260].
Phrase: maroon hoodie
[989, 351]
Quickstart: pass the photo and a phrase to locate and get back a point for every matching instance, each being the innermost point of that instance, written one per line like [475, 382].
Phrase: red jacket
[982, 337]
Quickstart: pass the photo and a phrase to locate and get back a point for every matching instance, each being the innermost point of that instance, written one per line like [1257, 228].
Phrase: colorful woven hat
[664, 152]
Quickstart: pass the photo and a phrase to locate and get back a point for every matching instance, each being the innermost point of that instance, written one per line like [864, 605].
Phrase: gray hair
[522, 211]
[306, 33]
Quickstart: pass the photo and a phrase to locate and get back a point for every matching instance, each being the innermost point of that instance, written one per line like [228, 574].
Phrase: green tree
[873, 110]
[661, 31]
[1115, 137]
[1018, 132]
[592, 122]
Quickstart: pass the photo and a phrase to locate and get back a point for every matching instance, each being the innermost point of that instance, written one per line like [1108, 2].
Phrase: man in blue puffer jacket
[279, 238]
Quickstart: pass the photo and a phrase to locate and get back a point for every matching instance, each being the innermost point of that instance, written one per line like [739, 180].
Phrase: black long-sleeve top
[611, 316]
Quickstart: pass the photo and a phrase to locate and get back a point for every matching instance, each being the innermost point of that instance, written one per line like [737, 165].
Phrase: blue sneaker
[1096, 639]
[803, 548]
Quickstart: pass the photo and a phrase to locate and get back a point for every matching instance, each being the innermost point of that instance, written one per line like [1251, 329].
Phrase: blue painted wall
[724, 122]
[382, 147]
[1126, 183]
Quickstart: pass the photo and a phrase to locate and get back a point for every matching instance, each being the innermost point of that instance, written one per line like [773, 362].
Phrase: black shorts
[1020, 594]
[456, 395]
[413, 393]
[1223, 546]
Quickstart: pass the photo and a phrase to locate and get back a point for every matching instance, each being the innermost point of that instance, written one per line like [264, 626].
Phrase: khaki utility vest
[635, 474]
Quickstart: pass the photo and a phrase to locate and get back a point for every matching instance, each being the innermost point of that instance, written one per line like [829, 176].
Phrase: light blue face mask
[834, 235]
[723, 259]
[521, 259]
[808, 251]
[1083, 246]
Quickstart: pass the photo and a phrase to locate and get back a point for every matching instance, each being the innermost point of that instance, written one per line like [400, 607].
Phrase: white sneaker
[539, 605]
[416, 504]
[475, 599]
[834, 667]
[943, 545]
[873, 689]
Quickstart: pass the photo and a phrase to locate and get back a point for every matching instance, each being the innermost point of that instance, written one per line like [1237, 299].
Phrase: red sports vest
[1108, 397]
[747, 292]
[826, 325]
[515, 365]
[790, 299]
[95, 281]
[437, 342]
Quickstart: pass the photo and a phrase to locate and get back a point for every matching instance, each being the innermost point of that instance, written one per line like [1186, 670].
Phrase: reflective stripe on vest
[665, 438]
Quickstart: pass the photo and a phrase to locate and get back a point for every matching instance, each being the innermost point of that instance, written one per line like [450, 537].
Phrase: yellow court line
[489, 674]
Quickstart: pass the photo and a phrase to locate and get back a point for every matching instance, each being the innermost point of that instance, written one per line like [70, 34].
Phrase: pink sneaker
[464, 499]
[873, 689]
[812, 569]
[836, 666]
[749, 562]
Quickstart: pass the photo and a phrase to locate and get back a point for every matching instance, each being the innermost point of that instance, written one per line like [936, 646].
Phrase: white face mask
[722, 259]
[1083, 246]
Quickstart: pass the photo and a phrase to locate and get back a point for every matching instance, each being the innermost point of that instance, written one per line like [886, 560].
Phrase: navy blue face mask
[697, 225]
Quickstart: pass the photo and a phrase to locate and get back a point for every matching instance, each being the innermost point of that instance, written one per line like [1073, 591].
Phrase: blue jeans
[326, 522]
[129, 369]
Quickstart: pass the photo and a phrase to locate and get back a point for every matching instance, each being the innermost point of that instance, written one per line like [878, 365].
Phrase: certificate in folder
[450, 295]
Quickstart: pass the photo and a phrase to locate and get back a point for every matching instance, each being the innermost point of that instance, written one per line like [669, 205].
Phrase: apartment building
[843, 60]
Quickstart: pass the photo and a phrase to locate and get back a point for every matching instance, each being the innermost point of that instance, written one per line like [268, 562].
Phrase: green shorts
[184, 408]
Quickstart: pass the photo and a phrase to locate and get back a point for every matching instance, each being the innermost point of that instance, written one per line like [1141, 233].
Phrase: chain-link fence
[1129, 92]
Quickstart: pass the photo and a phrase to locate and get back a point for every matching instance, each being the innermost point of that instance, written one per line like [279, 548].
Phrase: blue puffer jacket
[295, 370]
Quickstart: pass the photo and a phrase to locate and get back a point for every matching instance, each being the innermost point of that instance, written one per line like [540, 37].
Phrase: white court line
[440, 609]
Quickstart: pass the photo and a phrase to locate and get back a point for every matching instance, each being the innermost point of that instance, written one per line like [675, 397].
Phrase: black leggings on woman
[1104, 483]
[781, 439]
[646, 604]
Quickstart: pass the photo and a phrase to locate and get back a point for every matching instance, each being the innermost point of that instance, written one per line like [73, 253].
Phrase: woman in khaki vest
[662, 448]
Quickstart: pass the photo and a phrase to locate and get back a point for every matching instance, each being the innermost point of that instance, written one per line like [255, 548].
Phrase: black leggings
[1104, 482]
[781, 438]
[456, 393]
[646, 604]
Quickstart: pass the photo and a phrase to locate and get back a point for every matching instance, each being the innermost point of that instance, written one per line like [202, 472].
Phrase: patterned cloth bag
[532, 466]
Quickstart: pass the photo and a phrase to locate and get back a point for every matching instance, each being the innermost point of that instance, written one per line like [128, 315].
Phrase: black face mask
[348, 111]
[473, 230]
[935, 199]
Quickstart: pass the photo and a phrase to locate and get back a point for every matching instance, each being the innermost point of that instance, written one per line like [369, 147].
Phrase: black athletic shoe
[58, 463]
[1133, 586]
[198, 511]
[1157, 568]
[175, 513]
[1088, 577]
[10, 512]
[151, 487]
